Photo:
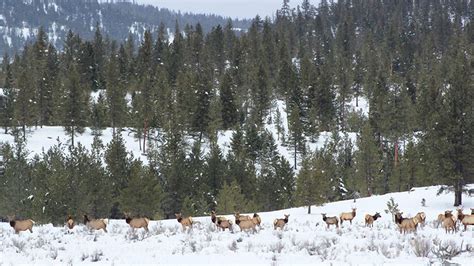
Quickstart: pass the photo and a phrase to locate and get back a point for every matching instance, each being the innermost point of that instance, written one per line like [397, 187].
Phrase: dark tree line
[412, 62]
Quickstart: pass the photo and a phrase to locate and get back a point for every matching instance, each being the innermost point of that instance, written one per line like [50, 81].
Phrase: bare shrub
[40, 242]
[279, 234]
[421, 247]
[274, 260]
[53, 253]
[96, 255]
[84, 256]
[233, 246]
[158, 229]
[19, 244]
[249, 246]
[277, 247]
[447, 250]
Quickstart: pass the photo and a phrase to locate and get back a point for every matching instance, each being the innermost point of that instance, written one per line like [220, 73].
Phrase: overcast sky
[227, 8]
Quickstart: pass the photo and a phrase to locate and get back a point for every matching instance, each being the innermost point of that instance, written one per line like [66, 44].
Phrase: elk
[330, 220]
[226, 224]
[369, 219]
[421, 217]
[137, 222]
[70, 222]
[465, 219]
[96, 224]
[347, 216]
[221, 222]
[280, 223]
[248, 223]
[405, 224]
[448, 222]
[257, 219]
[185, 222]
[215, 219]
[241, 217]
[21, 225]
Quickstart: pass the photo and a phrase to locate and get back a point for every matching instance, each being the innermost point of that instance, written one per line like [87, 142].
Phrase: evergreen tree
[99, 115]
[75, 105]
[143, 194]
[118, 168]
[368, 162]
[230, 200]
[7, 109]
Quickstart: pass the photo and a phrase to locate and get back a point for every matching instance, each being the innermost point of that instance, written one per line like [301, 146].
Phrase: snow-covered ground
[305, 240]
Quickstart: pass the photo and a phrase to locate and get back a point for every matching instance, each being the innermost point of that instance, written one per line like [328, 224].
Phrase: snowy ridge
[305, 239]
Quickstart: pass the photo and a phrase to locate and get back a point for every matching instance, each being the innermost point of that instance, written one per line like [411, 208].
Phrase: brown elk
[406, 224]
[21, 225]
[70, 222]
[448, 222]
[137, 222]
[215, 219]
[465, 219]
[421, 218]
[96, 224]
[257, 219]
[242, 217]
[347, 216]
[185, 222]
[226, 224]
[248, 223]
[221, 222]
[280, 223]
[330, 220]
[369, 219]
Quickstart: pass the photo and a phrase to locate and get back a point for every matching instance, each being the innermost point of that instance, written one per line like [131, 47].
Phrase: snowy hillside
[305, 240]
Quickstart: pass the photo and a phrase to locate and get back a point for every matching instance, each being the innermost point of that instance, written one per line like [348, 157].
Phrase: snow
[42, 139]
[305, 239]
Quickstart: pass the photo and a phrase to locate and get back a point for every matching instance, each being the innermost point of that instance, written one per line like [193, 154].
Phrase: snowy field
[305, 240]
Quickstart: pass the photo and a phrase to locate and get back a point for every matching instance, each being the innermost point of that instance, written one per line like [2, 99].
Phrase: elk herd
[405, 224]
[448, 220]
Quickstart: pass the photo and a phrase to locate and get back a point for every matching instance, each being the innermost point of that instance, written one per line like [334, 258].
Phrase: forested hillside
[20, 20]
[411, 60]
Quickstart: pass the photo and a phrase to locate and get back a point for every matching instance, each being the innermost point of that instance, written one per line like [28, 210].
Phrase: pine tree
[99, 115]
[40, 61]
[116, 89]
[368, 162]
[25, 105]
[229, 109]
[306, 186]
[230, 200]
[15, 194]
[75, 106]
[7, 109]
[143, 194]
[118, 167]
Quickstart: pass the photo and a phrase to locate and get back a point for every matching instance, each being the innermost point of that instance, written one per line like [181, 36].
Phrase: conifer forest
[411, 61]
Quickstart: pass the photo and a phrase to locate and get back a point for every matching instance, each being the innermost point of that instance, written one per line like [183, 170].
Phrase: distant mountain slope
[20, 20]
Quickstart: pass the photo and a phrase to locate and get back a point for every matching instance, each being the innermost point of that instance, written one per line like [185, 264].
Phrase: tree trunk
[24, 131]
[309, 209]
[295, 153]
[458, 193]
[72, 137]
